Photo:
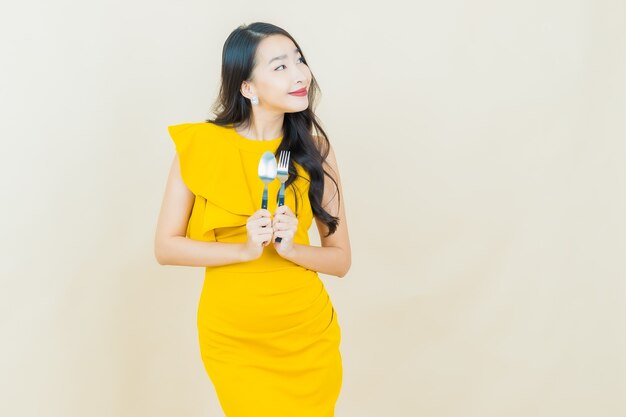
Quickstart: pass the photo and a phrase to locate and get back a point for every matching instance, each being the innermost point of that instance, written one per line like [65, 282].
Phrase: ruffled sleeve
[213, 171]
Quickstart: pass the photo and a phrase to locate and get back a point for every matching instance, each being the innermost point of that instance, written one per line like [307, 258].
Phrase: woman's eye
[301, 58]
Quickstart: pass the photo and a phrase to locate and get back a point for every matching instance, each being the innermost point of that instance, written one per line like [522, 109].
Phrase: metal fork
[282, 175]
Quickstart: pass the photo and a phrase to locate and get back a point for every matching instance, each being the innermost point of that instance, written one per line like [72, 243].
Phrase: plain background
[482, 148]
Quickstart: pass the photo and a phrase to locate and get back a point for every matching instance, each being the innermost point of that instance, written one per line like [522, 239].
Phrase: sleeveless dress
[268, 333]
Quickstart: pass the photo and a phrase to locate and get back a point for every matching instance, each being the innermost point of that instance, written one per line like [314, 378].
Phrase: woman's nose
[300, 75]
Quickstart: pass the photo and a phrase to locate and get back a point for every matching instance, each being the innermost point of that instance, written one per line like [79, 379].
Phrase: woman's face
[279, 70]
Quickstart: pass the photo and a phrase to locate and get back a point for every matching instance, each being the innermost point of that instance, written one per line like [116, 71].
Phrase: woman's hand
[285, 225]
[259, 227]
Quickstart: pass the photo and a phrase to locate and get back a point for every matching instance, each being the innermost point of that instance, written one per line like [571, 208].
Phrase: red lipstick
[300, 93]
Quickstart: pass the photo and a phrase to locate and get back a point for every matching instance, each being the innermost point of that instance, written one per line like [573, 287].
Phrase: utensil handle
[281, 195]
[264, 201]
[281, 202]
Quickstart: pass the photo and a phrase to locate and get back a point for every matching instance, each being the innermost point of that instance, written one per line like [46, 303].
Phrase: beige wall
[482, 147]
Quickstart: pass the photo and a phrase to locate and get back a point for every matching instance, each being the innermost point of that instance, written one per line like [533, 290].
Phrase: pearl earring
[254, 100]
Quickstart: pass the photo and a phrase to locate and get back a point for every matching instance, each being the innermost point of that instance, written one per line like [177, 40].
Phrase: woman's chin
[296, 109]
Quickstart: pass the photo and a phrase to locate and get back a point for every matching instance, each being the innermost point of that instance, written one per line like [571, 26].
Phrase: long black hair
[232, 108]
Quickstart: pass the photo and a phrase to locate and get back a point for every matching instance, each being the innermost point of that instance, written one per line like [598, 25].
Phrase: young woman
[268, 332]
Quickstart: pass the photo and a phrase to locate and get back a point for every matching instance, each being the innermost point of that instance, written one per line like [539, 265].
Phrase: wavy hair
[232, 108]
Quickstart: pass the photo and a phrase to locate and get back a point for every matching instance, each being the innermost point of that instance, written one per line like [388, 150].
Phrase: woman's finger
[285, 234]
[284, 218]
[263, 221]
[284, 210]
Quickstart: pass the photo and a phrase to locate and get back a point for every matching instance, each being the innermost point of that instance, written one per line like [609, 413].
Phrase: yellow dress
[269, 335]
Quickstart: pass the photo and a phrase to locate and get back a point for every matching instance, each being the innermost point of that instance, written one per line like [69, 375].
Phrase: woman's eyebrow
[282, 56]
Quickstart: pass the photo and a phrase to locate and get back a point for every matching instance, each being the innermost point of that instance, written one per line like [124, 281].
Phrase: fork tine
[283, 160]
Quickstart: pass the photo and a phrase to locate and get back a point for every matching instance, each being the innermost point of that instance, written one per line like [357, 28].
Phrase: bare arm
[171, 246]
[334, 257]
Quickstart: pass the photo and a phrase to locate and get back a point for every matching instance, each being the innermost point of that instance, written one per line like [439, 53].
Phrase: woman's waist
[287, 295]
[260, 279]
[269, 261]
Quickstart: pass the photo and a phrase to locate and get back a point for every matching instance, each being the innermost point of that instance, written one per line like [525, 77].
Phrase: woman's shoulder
[196, 128]
[196, 134]
[323, 146]
[204, 154]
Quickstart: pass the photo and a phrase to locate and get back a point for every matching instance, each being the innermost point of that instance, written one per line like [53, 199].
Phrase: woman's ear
[246, 90]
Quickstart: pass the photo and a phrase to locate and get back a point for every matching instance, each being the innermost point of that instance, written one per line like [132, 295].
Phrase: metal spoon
[267, 172]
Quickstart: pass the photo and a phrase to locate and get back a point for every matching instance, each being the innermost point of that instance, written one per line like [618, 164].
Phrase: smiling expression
[279, 70]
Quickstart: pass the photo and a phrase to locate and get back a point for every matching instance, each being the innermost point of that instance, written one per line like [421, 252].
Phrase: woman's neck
[263, 126]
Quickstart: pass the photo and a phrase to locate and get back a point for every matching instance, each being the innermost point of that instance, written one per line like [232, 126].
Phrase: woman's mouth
[300, 93]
